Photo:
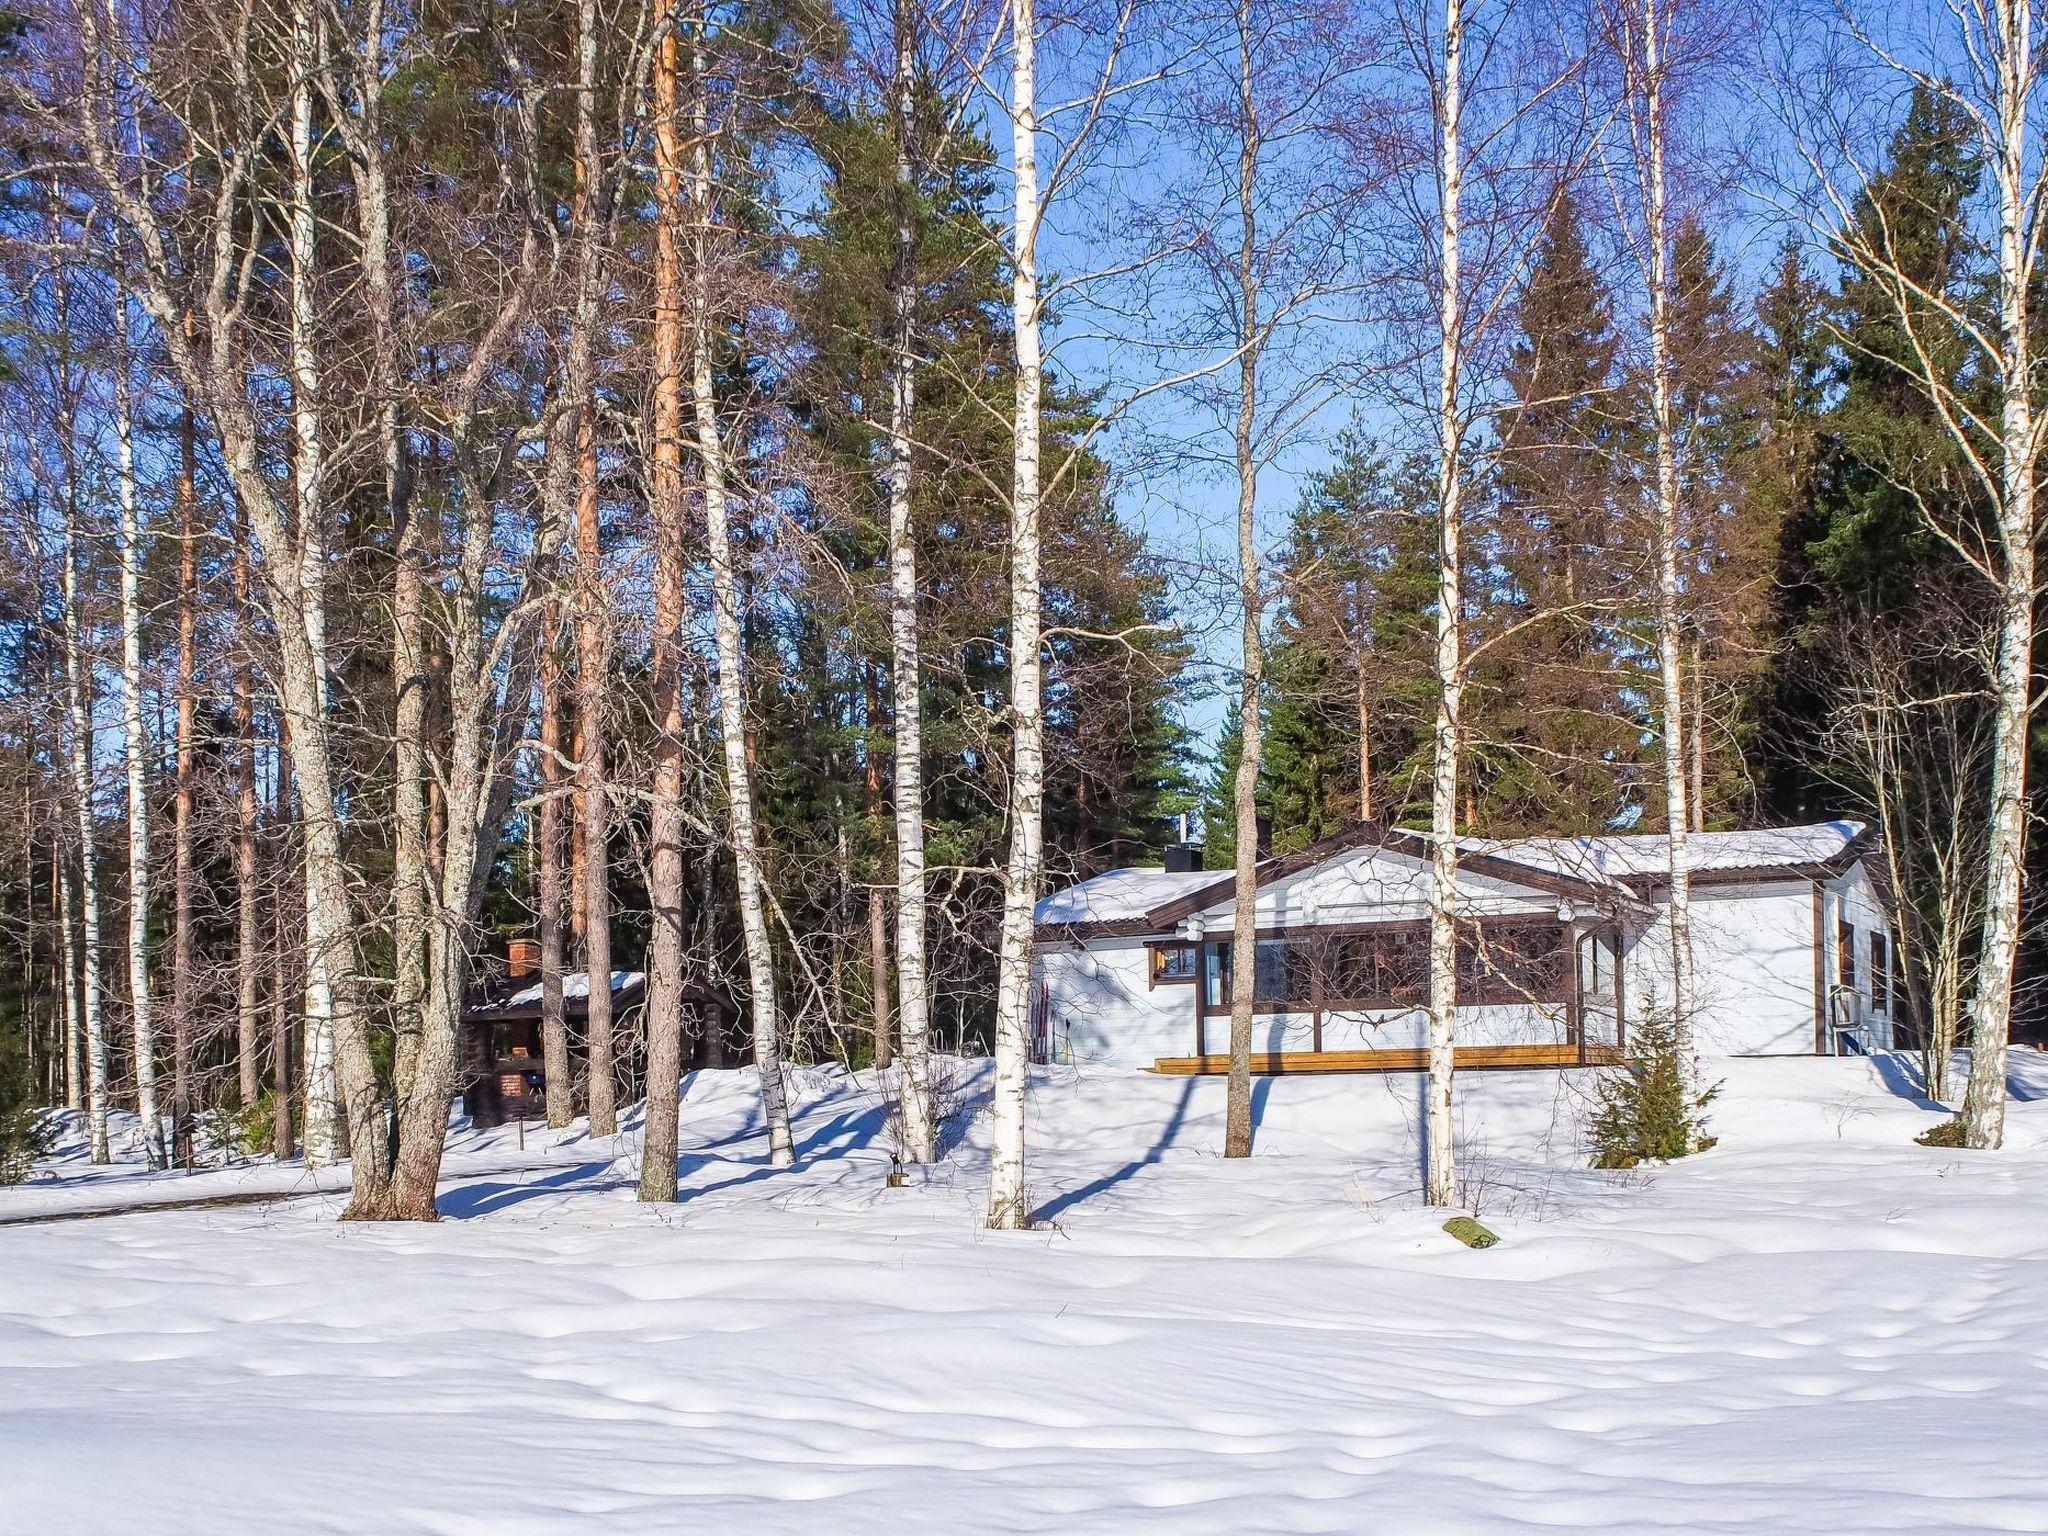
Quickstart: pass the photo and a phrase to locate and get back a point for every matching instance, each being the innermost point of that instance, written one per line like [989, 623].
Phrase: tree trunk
[1008, 1206]
[282, 1086]
[92, 1006]
[2017, 68]
[135, 754]
[247, 1019]
[184, 952]
[1670, 619]
[592, 805]
[732, 690]
[1441, 1186]
[666, 944]
[913, 1004]
[554, 1031]
[1244, 936]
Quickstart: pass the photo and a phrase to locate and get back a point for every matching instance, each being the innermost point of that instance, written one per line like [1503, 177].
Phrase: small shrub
[26, 1133]
[1949, 1133]
[1646, 1112]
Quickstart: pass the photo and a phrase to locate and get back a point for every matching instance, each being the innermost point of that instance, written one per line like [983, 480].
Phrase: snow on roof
[1120, 894]
[1624, 857]
[574, 984]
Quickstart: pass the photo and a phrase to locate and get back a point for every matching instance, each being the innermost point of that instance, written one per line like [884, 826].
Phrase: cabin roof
[524, 1001]
[1121, 894]
[1624, 867]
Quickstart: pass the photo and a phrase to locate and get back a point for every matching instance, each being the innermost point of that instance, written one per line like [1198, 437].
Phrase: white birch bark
[135, 756]
[913, 1005]
[92, 992]
[74, 1019]
[732, 695]
[1647, 65]
[1007, 1203]
[1440, 1152]
[322, 1138]
[2014, 67]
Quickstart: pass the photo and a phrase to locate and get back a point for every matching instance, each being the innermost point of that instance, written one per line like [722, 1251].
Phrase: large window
[1388, 967]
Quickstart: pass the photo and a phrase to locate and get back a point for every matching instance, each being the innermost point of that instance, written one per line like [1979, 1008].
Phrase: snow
[1120, 894]
[1625, 857]
[1816, 1327]
[575, 984]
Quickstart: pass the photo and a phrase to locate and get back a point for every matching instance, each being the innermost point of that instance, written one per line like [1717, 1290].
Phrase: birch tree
[732, 721]
[913, 998]
[1008, 1206]
[1984, 61]
[1643, 34]
[135, 755]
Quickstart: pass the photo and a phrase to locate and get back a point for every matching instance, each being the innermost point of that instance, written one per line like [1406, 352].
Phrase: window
[1880, 972]
[1172, 962]
[1845, 955]
[1388, 967]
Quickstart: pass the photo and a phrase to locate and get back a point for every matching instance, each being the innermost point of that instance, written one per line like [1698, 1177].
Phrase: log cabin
[1563, 942]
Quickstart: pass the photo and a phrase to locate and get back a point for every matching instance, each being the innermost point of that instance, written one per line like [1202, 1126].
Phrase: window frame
[1156, 956]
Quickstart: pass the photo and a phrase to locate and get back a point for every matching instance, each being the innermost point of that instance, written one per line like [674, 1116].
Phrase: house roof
[1645, 857]
[1617, 868]
[525, 1001]
[1121, 894]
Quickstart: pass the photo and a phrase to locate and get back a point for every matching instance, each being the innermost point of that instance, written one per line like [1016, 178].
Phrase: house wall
[1100, 1006]
[1100, 1010]
[1752, 965]
[1853, 898]
[1753, 950]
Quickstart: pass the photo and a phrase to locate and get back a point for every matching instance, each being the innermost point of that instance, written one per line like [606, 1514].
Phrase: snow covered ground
[1817, 1326]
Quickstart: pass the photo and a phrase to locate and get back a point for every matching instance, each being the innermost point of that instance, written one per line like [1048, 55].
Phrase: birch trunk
[247, 1020]
[913, 1001]
[1441, 1186]
[731, 676]
[666, 943]
[2016, 72]
[1244, 936]
[74, 1021]
[283, 1143]
[1670, 620]
[184, 953]
[92, 1000]
[135, 755]
[325, 889]
[1007, 1202]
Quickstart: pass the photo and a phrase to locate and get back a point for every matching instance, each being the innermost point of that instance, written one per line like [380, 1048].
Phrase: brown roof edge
[1361, 834]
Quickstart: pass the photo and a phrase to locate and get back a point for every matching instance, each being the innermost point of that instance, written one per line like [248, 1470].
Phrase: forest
[758, 494]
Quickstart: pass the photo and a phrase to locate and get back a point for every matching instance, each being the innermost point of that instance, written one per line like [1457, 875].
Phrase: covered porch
[1533, 992]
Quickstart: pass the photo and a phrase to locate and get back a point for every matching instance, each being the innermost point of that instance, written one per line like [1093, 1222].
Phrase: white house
[1565, 944]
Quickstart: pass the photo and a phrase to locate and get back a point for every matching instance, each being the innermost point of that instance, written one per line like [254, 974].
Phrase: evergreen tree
[1552, 738]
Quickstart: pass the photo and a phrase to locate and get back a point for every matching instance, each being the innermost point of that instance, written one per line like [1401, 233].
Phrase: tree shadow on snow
[1167, 1135]
[467, 1200]
[1903, 1077]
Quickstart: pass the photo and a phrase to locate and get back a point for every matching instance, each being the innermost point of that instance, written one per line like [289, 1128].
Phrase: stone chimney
[522, 957]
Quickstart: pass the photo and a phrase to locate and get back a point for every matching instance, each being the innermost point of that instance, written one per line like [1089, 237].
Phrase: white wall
[1752, 964]
[1853, 899]
[1101, 1008]
[1752, 947]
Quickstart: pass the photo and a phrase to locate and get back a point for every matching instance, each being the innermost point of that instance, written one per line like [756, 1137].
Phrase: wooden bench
[1466, 1057]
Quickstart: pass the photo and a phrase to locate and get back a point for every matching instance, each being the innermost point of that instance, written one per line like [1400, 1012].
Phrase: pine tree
[1553, 744]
